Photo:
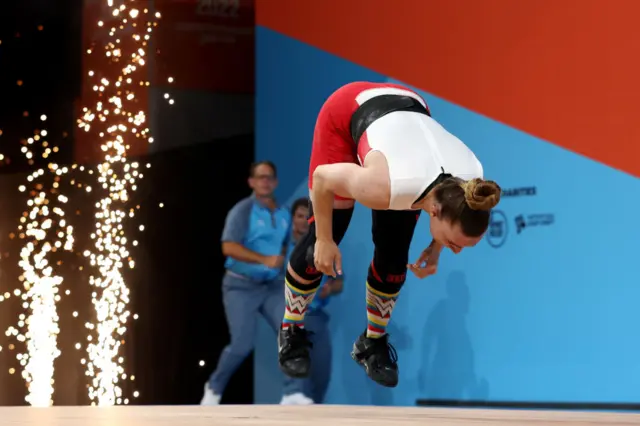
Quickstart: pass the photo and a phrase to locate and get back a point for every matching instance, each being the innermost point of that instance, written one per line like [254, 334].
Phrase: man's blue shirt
[258, 229]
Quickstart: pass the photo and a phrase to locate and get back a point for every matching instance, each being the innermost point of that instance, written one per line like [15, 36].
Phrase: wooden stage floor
[319, 415]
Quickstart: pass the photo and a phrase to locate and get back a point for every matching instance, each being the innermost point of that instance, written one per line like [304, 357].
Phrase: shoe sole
[293, 375]
[366, 368]
[288, 373]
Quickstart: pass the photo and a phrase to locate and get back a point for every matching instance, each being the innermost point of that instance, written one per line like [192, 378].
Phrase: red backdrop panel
[566, 71]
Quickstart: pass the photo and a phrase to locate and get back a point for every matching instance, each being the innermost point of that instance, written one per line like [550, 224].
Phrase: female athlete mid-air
[376, 143]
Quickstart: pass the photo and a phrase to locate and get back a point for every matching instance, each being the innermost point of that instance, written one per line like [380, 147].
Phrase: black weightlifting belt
[380, 106]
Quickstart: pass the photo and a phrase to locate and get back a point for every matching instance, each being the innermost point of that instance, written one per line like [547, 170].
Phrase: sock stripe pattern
[296, 302]
[379, 308]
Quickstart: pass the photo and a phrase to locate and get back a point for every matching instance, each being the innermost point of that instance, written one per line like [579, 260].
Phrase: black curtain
[179, 271]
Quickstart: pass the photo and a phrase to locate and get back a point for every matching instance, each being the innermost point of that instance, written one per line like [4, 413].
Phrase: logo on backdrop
[528, 221]
[526, 191]
[498, 229]
[499, 225]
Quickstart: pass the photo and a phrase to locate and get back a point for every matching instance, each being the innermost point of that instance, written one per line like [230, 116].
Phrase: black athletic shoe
[293, 352]
[379, 359]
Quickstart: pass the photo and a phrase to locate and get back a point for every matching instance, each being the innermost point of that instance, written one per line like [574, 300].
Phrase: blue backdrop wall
[541, 312]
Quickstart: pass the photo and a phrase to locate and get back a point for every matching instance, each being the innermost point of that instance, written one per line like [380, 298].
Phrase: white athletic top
[417, 149]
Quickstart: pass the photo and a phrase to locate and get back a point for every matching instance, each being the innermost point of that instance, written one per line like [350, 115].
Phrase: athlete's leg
[271, 311]
[301, 283]
[392, 234]
[332, 143]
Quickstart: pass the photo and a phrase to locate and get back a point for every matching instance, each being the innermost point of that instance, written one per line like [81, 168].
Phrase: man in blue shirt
[255, 240]
[316, 321]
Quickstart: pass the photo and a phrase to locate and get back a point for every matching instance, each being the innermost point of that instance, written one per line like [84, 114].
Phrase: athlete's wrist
[324, 239]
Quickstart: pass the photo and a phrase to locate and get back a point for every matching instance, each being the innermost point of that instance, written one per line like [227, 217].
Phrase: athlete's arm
[367, 185]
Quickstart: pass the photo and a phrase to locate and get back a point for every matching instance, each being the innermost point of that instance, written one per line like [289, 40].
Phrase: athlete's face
[449, 235]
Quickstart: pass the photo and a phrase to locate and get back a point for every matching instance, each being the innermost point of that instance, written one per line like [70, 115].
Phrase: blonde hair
[481, 194]
[468, 203]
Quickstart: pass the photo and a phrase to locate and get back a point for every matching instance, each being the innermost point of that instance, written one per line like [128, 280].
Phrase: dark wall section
[179, 270]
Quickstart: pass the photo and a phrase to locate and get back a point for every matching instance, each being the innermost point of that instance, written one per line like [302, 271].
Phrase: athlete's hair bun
[481, 194]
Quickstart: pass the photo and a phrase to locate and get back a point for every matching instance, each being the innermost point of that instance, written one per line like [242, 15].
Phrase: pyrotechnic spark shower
[44, 230]
[115, 118]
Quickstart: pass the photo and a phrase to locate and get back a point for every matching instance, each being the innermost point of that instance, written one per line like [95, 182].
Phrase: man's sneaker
[209, 397]
[293, 351]
[379, 359]
[297, 398]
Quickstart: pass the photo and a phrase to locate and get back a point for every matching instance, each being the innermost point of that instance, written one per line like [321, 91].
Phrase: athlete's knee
[301, 267]
[387, 274]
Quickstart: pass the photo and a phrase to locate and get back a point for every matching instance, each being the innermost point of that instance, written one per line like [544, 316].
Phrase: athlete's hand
[427, 263]
[325, 255]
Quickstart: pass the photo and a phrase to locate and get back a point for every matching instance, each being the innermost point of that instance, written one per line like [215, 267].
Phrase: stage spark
[45, 231]
[117, 119]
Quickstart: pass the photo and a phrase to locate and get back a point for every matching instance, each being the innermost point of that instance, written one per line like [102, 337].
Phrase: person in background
[316, 320]
[255, 240]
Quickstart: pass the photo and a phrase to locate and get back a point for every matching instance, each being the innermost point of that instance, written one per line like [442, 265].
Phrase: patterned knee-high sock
[297, 298]
[379, 308]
